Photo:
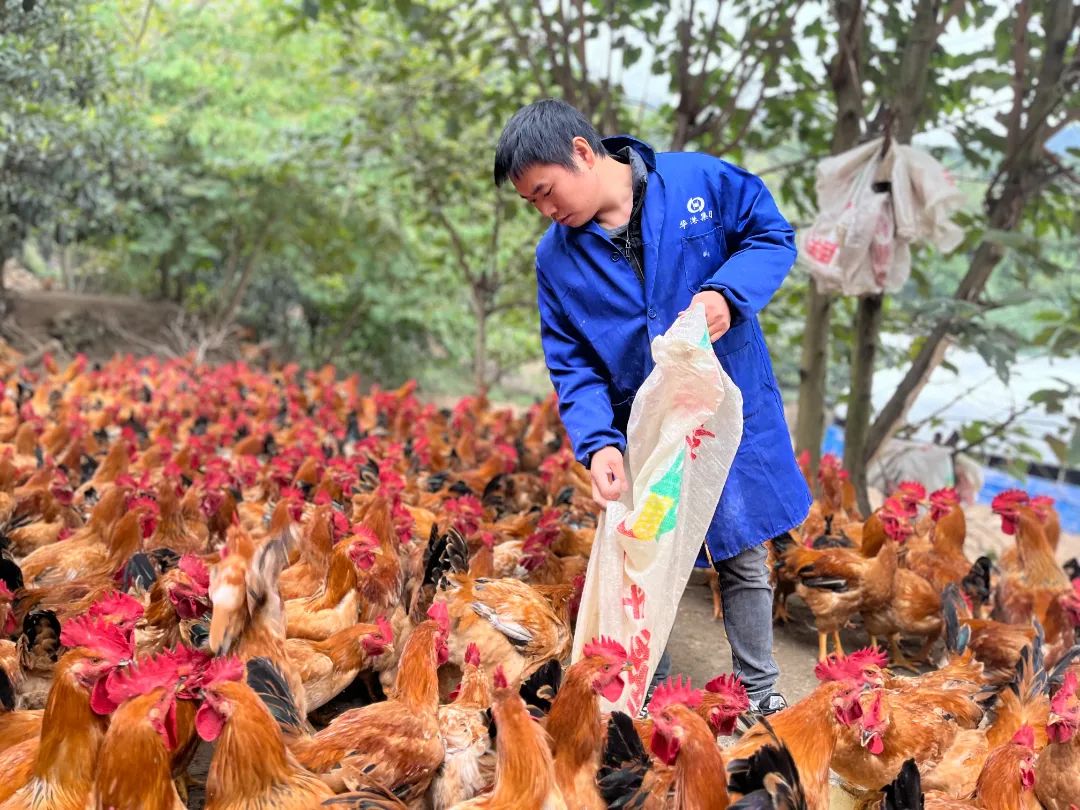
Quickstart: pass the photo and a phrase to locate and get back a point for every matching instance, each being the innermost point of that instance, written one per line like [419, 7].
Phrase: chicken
[914, 607]
[251, 766]
[511, 623]
[723, 702]
[469, 765]
[892, 728]
[335, 606]
[996, 645]
[247, 618]
[1035, 582]
[326, 667]
[134, 767]
[15, 726]
[394, 743]
[307, 574]
[57, 770]
[838, 583]
[685, 743]
[36, 654]
[768, 779]
[574, 720]
[1057, 771]
[524, 768]
[178, 599]
[809, 729]
[944, 561]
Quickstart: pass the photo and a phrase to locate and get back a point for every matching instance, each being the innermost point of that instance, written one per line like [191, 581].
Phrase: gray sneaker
[772, 703]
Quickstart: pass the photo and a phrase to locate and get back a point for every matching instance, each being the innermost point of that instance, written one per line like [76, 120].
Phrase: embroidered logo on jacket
[695, 204]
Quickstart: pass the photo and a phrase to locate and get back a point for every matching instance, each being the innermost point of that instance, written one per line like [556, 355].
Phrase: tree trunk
[480, 311]
[867, 326]
[1004, 216]
[844, 73]
[1021, 171]
[813, 370]
[904, 114]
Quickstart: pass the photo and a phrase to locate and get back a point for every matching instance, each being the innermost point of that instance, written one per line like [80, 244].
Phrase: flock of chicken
[364, 601]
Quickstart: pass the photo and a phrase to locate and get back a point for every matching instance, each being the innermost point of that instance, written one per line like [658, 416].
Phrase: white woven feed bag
[685, 426]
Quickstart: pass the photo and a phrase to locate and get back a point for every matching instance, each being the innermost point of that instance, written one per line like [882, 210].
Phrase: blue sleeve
[760, 242]
[584, 401]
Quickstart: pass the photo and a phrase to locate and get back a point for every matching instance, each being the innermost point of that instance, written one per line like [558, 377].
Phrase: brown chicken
[1057, 771]
[914, 608]
[524, 767]
[335, 607]
[327, 667]
[809, 729]
[469, 764]
[837, 583]
[685, 743]
[943, 561]
[134, 768]
[1033, 584]
[395, 743]
[251, 766]
[574, 722]
[57, 769]
[511, 623]
[247, 618]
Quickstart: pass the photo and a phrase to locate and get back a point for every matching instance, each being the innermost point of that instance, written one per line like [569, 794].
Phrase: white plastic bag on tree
[871, 207]
[685, 426]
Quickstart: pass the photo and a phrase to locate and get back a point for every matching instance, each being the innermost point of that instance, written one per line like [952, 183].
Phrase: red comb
[674, 691]
[472, 655]
[500, 678]
[98, 636]
[119, 607]
[143, 677]
[843, 668]
[912, 489]
[868, 655]
[195, 569]
[220, 670]
[605, 647]
[945, 495]
[1009, 498]
[731, 686]
[1025, 737]
[440, 615]
[385, 630]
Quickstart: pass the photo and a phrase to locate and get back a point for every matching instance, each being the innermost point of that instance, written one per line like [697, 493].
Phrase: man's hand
[608, 476]
[717, 312]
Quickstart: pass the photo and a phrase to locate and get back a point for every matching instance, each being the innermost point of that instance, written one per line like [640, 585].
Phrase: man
[636, 238]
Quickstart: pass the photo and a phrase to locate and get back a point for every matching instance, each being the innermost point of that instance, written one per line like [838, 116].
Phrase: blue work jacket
[706, 225]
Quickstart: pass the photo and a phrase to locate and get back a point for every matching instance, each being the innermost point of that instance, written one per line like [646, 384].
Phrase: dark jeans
[747, 598]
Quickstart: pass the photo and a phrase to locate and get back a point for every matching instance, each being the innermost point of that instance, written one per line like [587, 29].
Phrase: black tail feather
[539, 690]
[904, 792]
[41, 630]
[10, 573]
[264, 677]
[976, 584]
[956, 635]
[767, 779]
[1057, 675]
[140, 572]
[7, 692]
[623, 766]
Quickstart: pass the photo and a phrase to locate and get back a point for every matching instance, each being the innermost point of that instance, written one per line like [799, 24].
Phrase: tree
[67, 158]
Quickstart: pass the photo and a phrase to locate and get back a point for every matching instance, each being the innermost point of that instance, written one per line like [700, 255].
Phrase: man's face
[564, 196]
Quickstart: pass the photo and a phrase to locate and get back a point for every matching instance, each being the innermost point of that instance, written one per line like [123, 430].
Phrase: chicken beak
[1052, 719]
[628, 667]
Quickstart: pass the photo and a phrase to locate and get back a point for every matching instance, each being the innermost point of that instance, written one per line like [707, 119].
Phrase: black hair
[542, 133]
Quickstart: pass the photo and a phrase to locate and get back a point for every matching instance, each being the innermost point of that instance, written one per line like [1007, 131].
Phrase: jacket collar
[617, 142]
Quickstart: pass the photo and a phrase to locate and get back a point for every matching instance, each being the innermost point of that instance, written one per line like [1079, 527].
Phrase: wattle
[613, 689]
[208, 723]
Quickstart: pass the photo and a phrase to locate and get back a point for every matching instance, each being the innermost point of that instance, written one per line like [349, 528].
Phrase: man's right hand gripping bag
[685, 426]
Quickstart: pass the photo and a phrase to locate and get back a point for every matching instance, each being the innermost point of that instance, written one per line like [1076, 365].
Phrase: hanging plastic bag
[685, 426]
[871, 207]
